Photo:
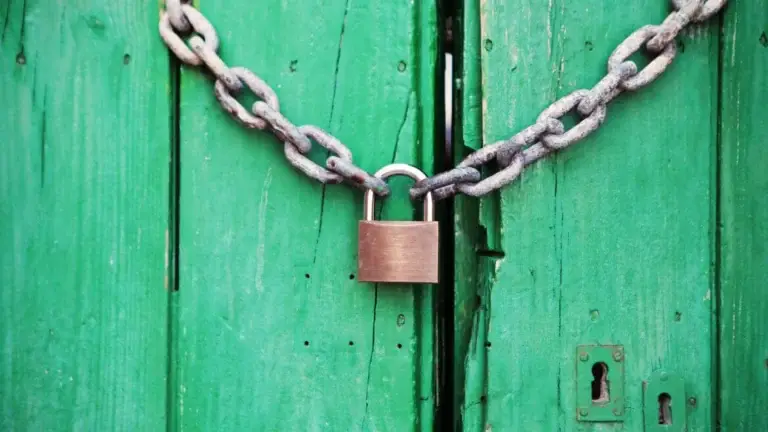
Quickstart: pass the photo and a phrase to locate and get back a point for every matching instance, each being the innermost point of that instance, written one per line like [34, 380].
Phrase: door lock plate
[664, 403]
[600, 383]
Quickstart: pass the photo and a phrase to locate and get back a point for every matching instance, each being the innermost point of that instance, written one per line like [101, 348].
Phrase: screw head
[618, 355]
[583, 356]
[583, 412]
[617, 412]
[664, 377]
[692, 401]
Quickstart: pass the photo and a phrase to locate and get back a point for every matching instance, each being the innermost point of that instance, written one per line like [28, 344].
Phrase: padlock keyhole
[665, 409]
[600, 389]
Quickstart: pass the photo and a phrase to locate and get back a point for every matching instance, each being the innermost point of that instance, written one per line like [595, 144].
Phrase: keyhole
[665, 409]
[600, 393]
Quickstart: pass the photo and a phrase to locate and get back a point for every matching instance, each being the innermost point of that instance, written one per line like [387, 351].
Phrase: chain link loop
[585, 127]
[199, 24]
[632, 45]
[257, 86]
[176, 16]
[310, 168]
[215, 64]
[673, 24]
[607, 88]
[283, 129]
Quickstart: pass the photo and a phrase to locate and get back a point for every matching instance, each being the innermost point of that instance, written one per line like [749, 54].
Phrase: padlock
[398, 251]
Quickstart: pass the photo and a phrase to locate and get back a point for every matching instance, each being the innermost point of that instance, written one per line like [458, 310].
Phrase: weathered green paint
[744, 219]
[609, 242]
[83, 216]
[272, 329]
[612, 242]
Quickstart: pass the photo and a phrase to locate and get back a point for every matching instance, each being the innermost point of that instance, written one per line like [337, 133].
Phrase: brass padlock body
[398, 251]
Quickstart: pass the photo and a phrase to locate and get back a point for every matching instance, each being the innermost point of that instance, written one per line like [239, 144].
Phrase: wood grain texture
[744, 219]
[608, 242]
[83, 216]
[273, 330]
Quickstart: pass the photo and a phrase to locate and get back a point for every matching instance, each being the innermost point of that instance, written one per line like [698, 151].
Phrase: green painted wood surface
[744, 219]
[83, 216]
[271, 328]
[609, 242]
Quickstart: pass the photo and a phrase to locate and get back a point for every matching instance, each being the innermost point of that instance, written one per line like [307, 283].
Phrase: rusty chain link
[548, 134]
[193, 39]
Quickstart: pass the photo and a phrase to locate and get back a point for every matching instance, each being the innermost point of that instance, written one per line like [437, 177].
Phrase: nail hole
[306, 343]
[292, 66]
[488, 45]
[351, 276]
[600, 392]
[401, 66]
[588, 45]
[306, 275]
[678, 316]
[665, 409]
[21, 59]
[594, 314]
[351, 343]
[764, 40]
[483, 399]
[487, 344]
[126, 58]
[399, 346]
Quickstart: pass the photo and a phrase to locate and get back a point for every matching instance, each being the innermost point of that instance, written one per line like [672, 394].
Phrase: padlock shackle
[399, 169]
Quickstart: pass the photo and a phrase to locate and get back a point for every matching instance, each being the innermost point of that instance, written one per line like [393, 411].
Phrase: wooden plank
[743, 357]
[84, 193]
[273, 330]
[609, 242]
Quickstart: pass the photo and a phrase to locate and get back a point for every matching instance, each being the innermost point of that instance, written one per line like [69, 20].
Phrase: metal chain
[548, 133]
[193, 39]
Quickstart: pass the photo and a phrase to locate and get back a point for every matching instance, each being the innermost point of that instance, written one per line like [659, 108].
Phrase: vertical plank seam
[716, 224]
[172, 271]
[470, 125]
[556, 61]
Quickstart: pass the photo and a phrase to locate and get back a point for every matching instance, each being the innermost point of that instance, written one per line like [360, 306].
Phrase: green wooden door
[650, 234]
[163, 268]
